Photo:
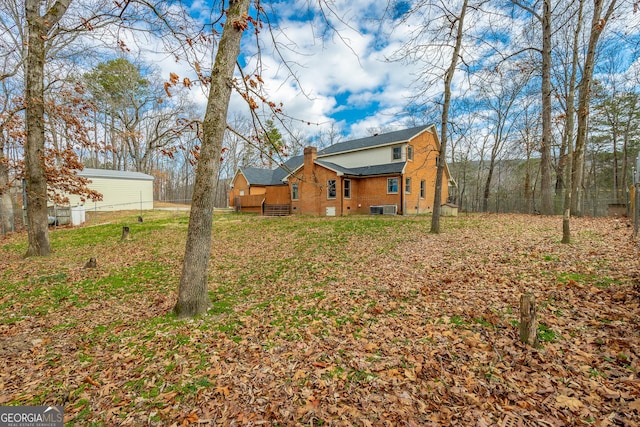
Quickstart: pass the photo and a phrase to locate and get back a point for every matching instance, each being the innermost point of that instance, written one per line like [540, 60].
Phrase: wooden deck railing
[276, 210]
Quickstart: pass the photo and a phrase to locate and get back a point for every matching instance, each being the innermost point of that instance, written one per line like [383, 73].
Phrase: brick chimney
[310, 154]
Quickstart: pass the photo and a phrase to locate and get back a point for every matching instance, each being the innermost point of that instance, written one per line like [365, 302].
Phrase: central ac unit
[389, 209]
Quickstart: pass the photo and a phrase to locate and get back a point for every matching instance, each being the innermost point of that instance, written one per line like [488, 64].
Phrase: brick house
[392, 173]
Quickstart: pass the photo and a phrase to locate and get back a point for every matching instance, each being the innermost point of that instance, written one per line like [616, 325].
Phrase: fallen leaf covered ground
[367, 321]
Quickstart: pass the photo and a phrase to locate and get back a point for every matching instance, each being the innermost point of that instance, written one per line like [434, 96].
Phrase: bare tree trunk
[546, 188]
[6, 205]
[437, 198]
[598, 22]
[38, 27]
[34, 150]
[487, 184]
[616, 178]
[571, 110]
[626, 143]
[193, 298]
[528, 208]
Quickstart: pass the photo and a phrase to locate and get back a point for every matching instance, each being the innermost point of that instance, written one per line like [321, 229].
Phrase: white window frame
[329, 186]
[389, 187]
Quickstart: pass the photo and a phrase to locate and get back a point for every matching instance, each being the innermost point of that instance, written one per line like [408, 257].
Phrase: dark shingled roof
[372, 141]
[389, 168]
[386, 169]
[289, 166]
[258, 176]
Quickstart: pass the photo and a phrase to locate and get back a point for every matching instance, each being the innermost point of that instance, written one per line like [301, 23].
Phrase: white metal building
[120, 190]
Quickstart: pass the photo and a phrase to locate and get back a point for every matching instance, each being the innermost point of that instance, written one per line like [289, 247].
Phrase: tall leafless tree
[545, 20]
[601, 15]
[448, 78]
[569, 128]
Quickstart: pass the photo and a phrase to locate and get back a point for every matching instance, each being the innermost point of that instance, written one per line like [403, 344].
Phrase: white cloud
[347, 63]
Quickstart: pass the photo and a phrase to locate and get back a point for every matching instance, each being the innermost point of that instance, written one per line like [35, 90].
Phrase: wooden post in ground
[528, 320]
[125, 233]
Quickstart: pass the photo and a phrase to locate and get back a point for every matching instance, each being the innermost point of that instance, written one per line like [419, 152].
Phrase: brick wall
[423, 167]
[373, 192]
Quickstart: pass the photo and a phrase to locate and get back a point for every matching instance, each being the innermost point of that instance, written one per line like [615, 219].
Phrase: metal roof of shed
[111, 174]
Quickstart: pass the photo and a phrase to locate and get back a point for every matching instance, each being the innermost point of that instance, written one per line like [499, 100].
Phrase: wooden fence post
[528, 320]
